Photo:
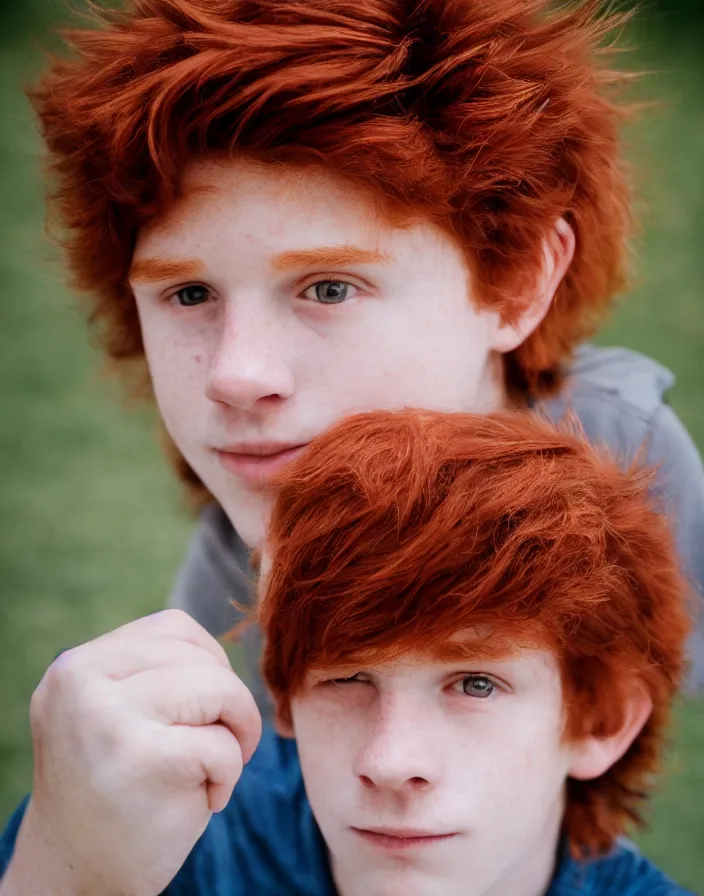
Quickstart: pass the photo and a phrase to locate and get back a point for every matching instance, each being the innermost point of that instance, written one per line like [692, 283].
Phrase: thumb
[211, 758]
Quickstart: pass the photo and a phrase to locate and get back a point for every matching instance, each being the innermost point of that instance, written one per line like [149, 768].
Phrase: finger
[178, 625]
[119, 658]
[130, 656]
[214, 759]
[168, 625]
[197, 695]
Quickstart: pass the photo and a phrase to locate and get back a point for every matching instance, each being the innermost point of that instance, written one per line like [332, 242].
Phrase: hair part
[398, 531]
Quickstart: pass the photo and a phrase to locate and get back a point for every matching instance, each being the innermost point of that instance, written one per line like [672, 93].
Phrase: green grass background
[92, 526]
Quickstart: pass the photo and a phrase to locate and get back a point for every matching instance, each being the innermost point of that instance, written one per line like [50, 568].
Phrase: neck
[492, 394]
[531, 875]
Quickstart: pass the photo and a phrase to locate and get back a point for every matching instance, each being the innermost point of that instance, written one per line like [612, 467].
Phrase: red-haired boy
[475, 628]
[287, 212]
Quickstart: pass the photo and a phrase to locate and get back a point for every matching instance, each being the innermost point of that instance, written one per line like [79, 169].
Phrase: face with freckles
[437, 779]
[274, 302]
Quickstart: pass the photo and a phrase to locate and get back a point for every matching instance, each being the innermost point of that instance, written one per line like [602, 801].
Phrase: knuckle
[58, 680]
[239, 693]
[65, 671]
[178, 619]
[38, 707]
[222, 653]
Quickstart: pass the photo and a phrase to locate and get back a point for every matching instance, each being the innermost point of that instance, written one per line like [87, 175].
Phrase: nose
[248, 364]
[400, 751]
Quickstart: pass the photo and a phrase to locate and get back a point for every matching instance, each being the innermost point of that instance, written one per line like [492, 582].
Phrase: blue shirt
[267, 842]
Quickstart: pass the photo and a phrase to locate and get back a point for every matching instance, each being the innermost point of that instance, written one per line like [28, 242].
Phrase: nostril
[417, 782]
[269, 399]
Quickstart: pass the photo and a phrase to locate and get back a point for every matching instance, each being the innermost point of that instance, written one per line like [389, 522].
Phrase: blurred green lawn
[91, 523]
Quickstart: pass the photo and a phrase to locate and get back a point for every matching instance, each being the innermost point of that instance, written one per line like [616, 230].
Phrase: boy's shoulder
[623, 872]
[618, 395]
[266, 840]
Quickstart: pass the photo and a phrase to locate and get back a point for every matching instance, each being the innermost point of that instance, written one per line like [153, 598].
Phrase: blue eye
[192, 295]
[329, 292]
[477, 686]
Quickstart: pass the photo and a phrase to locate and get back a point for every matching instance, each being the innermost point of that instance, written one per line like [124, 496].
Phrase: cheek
[324, 727]
[178, 374]
[533, 763]
[325, 752]
[516, 752]
[434, 356]
[405, 366]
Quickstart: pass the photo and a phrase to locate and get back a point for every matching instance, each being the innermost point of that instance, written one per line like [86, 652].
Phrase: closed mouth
[401, 838]
[257, 463]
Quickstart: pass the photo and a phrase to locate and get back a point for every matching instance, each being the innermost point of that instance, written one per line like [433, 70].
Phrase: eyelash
[172, 298]
[497, 684]
[321, 279]
[473, 676]
[351, 680]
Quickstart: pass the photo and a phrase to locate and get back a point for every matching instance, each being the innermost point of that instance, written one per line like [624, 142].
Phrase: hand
[139, 736]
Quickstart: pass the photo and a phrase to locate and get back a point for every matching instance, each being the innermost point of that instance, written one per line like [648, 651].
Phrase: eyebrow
[328, 256]
[152, 270]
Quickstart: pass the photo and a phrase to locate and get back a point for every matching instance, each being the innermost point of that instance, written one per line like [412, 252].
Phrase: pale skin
[242, 353]
[430, 777]
[274, 302]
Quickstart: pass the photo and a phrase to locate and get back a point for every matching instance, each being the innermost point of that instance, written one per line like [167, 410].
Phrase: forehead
[265, 208]
[240, 187]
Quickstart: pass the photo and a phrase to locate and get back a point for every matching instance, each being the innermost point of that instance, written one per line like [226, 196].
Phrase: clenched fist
[139, 736]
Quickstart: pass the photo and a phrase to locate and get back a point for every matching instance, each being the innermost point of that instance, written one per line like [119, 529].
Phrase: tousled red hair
[397, 530]
[491, 117]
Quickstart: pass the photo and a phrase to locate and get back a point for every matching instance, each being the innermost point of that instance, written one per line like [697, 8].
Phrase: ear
[593, 756]
[558, 252]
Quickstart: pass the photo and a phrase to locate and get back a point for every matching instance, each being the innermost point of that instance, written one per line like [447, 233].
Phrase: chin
[251, 531]
[248, 511]
[249, 522]
[398, 881]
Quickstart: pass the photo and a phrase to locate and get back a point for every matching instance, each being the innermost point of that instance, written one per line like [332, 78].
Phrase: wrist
[38, 865]
[43, 864]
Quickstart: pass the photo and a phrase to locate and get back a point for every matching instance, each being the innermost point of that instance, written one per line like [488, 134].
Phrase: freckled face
[429, 779]
[275, 302]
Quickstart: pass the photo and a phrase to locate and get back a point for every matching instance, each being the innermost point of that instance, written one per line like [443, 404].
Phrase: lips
[395, 839]
[255, 464]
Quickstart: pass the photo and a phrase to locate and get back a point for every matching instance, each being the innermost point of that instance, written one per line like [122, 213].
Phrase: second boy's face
[274, 303]
[428, 778]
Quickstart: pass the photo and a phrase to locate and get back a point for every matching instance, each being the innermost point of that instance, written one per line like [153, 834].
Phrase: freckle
[198, 359]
